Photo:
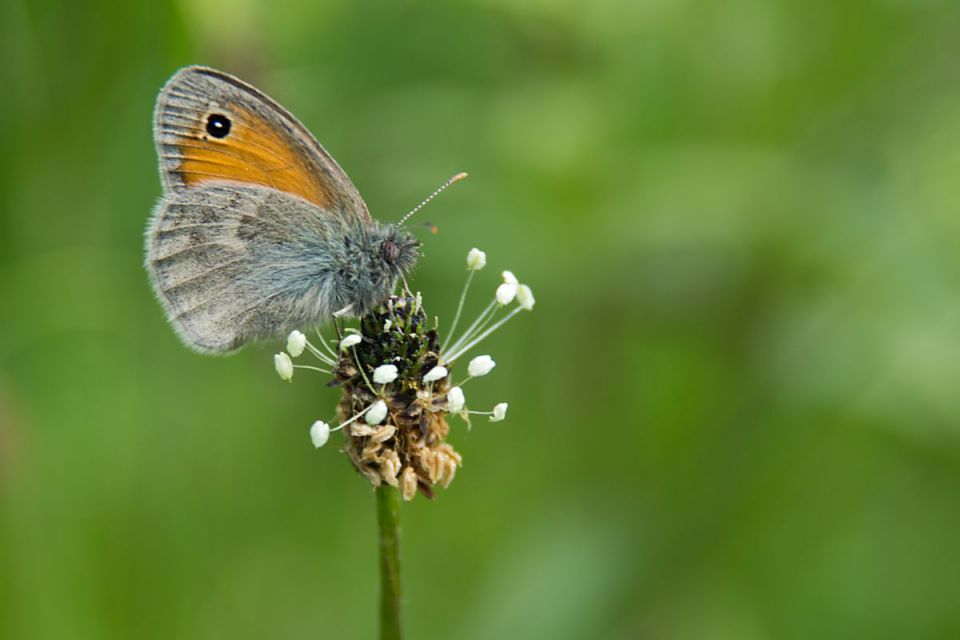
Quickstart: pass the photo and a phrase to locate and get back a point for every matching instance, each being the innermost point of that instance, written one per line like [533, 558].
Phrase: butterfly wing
[233, 263]
[210, 127]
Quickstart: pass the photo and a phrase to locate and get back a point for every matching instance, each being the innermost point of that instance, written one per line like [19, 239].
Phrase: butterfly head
[374, 258]
[399, 249]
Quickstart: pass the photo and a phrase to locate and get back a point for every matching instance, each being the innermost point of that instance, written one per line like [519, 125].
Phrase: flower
[296, 343]
[351, 340]
[506, 292]
[408, 483]
[476, 259]
[480, 366]
[382, 434]
[499, 412]
[525, 297]
[362, 430]
[437, 373]
[376, 413]
[390, 467]
[284, 366]
[395, 372]
[319, 433]
[385, 374]
[455, 400]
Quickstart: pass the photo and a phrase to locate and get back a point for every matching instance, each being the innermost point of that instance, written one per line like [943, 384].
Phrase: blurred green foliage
[733, 414]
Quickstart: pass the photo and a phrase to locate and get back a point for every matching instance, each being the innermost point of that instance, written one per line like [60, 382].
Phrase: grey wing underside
[233, 263]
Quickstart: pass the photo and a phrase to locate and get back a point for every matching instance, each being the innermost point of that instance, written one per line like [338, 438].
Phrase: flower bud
[376, 413]
[480, 366]
[509, 278]
[284, 366]
[296, 343]
[455, 400]
[476, 259]
[499, 412]
[437, 373]
[319, 433]
[385, 374]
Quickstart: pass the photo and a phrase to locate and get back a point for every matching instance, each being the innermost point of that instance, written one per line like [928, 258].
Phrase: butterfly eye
[218, 125]
[390, 251]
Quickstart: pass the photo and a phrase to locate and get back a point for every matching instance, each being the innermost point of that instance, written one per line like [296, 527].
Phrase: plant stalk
[388, 520]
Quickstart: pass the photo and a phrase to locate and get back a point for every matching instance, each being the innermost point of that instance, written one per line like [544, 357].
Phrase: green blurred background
[734, 412]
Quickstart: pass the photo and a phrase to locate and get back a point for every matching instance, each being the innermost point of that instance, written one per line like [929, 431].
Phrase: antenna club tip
[459, 176]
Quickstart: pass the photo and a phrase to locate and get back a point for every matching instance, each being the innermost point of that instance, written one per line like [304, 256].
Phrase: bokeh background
[734, 412]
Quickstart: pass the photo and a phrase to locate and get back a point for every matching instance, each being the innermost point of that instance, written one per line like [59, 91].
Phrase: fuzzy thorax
[371, 261]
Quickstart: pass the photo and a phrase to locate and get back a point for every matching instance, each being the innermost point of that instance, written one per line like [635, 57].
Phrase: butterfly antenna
[456, 178]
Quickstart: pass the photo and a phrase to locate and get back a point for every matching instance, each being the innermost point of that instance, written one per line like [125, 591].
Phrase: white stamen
[499, 412]
[319, 433]
[476, 259]
[477, 326]
[455, 400]
[509, 278]
[326, 347]
[480, 366]
[296, 343]
[480, 338]
[284, 366]
[506, 293]
[376, 413]
[385, 374]
[350, 340]
[525, 298]
[307, 366]
[437, 373]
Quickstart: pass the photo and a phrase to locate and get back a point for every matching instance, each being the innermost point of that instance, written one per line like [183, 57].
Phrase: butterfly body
[259, 231]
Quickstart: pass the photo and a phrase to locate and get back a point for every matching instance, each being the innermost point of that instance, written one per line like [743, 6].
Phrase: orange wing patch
[252, 152]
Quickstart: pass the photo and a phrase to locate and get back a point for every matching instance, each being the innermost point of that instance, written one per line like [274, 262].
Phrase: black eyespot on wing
[218, 125]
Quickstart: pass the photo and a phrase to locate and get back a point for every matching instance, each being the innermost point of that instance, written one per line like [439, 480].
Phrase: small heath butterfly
[259, 231]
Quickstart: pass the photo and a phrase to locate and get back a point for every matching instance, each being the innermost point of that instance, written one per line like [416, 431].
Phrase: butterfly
[258, 231]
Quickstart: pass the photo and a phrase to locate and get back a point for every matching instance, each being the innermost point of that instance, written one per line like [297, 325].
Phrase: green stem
[388, 519]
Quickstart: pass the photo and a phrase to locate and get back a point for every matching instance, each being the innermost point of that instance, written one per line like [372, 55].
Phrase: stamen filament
[306, 366]
[356, 417]
[320, 355]
[363, 373]
[483, 325]
[468, 333]
[483, 335]
[463, 297]
[326, 346]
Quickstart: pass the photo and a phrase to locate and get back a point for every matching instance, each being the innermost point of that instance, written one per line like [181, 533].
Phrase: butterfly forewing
[210, 127]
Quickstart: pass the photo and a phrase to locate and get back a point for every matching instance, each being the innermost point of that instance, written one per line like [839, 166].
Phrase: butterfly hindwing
[233, 263]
